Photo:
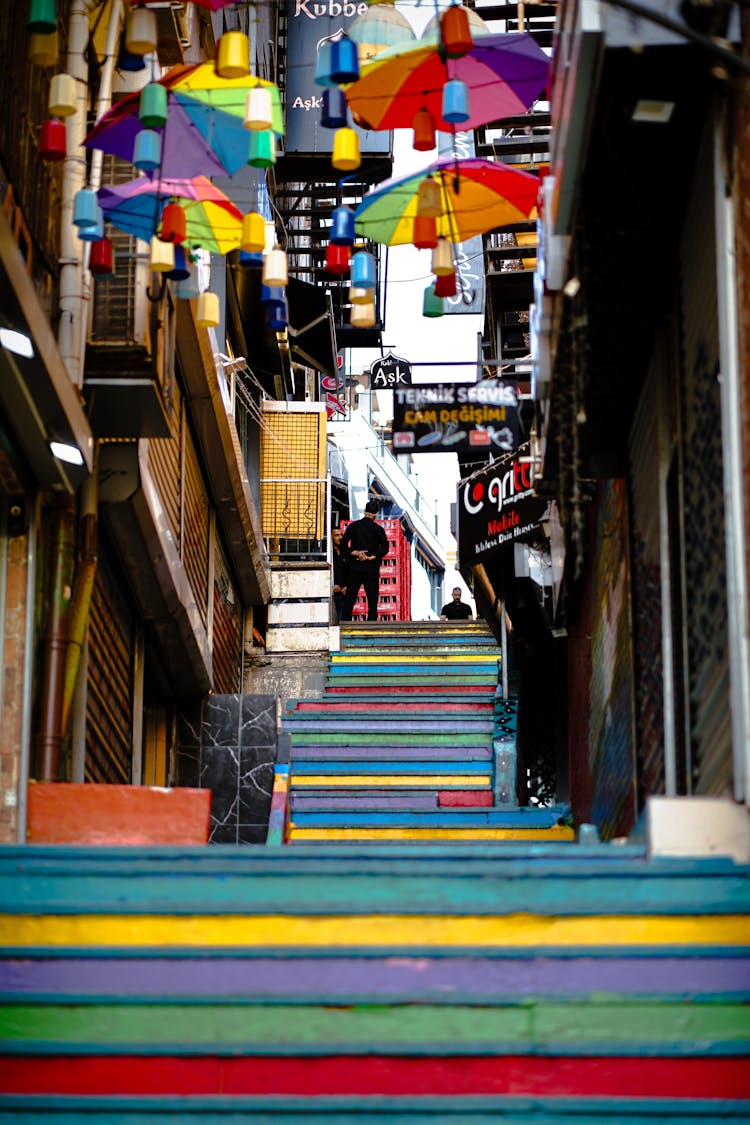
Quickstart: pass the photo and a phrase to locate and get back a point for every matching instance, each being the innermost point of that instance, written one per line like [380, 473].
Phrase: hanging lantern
[253, 239]
[323, 64]
[455, 33]
[181, 269]
[152, 108]
[188, 289]
[344, 61]
[271, 293]
[431, 305]
[424, 235]
[95, 232]
[277, 313]
[455, 102]
[147, 150]
[259, 108]
[424, 130]
[173, 223]
[362, 316]
[207, 312]
[85, 204]
[42, 17]
[127, 61]
[162, 255]
[342, 228]
[338, 259]
[360, 296]
[254, 260]
[333, 114]
[62, 96]
[275, 270]
[233, 55]
[102, 258]
[262, 149]
[141, 34]
[346, 156]
[43, 49]
[429, 203]
[363, 270]
[445, 285]
[442, 258]
[53, 140]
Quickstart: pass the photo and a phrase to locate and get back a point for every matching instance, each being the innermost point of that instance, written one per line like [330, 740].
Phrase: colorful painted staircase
[406, 743]
[524, 983]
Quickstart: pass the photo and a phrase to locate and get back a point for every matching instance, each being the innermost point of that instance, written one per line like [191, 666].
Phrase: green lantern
[262, 149]
[152, 108]
[432, 305]
[43, 17]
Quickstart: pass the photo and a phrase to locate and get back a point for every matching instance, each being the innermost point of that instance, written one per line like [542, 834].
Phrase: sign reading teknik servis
[498, 505]
[449, 417]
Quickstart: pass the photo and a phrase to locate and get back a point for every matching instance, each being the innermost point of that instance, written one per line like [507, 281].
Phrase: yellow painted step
[556, 833]
[379, 780]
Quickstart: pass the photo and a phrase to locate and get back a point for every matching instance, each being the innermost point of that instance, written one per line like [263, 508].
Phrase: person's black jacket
[340, 566]
[456, 611]
[364, 535]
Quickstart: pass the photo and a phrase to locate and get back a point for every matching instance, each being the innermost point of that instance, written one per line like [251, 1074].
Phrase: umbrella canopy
[505, 74]
[213, 222]
[379, 27]
[478, 196]
[212, 5]
[205, 132]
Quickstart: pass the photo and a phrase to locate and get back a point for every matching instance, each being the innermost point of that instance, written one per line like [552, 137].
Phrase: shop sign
[453, 417]
[496, 506]
[389, 371]
[333, 392]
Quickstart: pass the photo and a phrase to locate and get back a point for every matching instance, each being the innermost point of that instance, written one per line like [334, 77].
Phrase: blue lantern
[147, 150]
[249, 259]
[272, 294]
[93, 234]
[181, 269]
[455, 102]
[333, 114]
[344, 61]
[188, 289]
[85, 205]
[342, 229]
[362, 274]
[323, 64]
[277, 314]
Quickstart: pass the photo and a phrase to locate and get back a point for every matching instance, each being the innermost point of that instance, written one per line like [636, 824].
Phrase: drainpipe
[62, 555]
[83, 586]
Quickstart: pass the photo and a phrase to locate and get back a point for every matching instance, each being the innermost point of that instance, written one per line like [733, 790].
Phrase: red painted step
[464, 798]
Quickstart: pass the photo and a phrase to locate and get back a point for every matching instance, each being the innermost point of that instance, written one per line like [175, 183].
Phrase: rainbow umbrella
[211, 5]
[478, 196]
[213, 222]
[205, 132]
[505, 74]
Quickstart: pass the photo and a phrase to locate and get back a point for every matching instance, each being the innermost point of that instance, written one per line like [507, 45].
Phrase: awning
[37, 398]
[311, 333]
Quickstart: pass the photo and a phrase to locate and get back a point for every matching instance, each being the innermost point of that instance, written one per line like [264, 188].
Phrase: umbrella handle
[157, 296]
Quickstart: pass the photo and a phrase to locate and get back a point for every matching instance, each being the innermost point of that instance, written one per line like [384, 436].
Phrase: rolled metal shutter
[228, 620]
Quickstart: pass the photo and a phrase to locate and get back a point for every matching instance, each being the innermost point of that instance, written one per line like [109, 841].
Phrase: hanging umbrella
[213, 222]
[379, 27]
[205, 132]
[477, 196]
[212, 5]
[505, 74]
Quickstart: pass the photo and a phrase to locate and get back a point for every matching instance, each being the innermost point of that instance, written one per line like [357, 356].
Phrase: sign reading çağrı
[497, 506]
[435, 417]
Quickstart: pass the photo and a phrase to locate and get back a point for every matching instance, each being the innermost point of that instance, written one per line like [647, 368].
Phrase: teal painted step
[417, 723]
[445, 818]
[304, 766]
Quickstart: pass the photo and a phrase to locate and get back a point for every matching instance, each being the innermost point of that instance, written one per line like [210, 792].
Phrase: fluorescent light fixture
[17, 342]
[69, 453]
[655, 111]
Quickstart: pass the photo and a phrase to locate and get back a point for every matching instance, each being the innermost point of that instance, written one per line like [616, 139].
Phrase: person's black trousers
[371, 583]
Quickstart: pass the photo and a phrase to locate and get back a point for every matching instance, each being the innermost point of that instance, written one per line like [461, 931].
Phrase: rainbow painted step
[533, 983]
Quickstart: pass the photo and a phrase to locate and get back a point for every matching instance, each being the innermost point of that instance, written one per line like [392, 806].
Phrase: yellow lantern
[429, 205]
[141, 34]
[275, 270]
[359, 296]
[162, 255]
[62, 96]
[43, 49]
[442, 258]
[346, 156]
[253, 233]
[233, 55]
[259, 108]
[207, 312]
[363, 316]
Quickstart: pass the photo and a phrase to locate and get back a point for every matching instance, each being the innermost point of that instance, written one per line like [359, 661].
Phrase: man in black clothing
[365, 544]
[340, 572]
[456, 610]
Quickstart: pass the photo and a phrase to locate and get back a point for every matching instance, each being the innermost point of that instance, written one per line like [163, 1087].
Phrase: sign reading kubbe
[435, 417]
[497, 506]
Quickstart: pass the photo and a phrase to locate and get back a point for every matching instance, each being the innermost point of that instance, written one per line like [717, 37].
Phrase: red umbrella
[212, 5]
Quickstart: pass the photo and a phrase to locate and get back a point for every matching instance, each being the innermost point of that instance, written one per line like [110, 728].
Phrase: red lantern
[173, 223]
[445, 285]
[424, 130]
[53, 140]
[101, 261]
[455, 32]
[425, 233]
[338, 258]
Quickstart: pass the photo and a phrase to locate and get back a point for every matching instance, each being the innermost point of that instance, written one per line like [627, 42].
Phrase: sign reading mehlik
[496, 506]
[435, 417]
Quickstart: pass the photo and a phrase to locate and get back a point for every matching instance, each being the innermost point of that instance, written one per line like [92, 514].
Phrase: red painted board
[610, 1076]
[67, 813]
[464, 798]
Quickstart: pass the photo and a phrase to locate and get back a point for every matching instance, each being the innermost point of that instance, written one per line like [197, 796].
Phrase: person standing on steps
[340, 572]
[366, 545]
[456, 610]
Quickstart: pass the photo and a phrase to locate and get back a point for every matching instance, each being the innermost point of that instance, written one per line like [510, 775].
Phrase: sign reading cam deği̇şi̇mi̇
[433, 418]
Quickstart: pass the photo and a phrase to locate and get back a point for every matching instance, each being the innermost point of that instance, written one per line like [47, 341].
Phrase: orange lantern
[424, 130]
[424, 235]
[173, 224]
[455, 32]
